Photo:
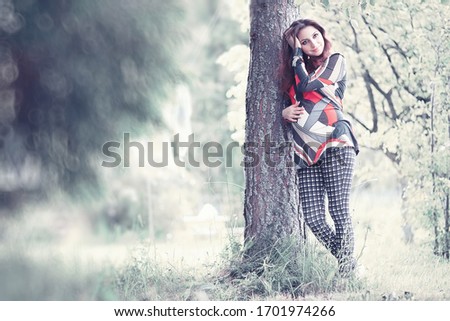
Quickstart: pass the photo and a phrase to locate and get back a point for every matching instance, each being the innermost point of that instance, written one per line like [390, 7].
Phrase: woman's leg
[312, 198]
[337, 174]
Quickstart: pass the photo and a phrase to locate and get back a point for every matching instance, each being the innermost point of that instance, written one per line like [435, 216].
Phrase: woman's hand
[292, 40]
[293, 112]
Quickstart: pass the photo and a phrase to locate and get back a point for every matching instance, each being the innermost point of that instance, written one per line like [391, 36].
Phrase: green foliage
[83, 73]
[236, 61]
[214, 32]
[398, 55]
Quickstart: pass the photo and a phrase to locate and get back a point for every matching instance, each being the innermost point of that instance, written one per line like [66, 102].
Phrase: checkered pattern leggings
[333, 177]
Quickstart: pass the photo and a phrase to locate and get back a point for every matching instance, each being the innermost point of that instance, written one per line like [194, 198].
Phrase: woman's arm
[331, 73]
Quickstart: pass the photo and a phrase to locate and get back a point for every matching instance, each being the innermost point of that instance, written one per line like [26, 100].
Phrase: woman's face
[311, 41]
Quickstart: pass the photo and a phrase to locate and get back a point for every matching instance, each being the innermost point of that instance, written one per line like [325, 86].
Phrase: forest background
[79, 76]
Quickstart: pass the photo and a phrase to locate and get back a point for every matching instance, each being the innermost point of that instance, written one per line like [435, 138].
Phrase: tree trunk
[447, 210]
[447, 227]
[408, 233]
[271, 209]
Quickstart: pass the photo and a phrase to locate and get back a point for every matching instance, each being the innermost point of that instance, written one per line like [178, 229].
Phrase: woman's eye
[303, 43]
[315, 35]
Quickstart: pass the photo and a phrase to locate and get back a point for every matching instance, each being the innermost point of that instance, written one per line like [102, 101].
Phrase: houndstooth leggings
[333, 177]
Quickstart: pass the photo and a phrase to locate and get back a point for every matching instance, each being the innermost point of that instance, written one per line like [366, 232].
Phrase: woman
[314, 79]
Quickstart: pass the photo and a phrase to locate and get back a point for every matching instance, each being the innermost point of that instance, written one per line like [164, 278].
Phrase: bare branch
[391, 104]
[373, 108]
[356, 119]
[394, 70]
[394, 157]
[398, 49]
[355, 36]
[386, 95]
[399, 79]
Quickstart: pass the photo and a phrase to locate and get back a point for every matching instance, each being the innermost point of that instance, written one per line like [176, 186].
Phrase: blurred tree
[271, 208]
[196, 106]
[213, 32]
[74, 75]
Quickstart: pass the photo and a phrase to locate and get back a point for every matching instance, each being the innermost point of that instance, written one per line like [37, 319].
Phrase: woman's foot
[347, 267]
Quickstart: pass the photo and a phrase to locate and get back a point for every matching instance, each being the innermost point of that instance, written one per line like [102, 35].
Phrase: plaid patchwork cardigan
[324, 124]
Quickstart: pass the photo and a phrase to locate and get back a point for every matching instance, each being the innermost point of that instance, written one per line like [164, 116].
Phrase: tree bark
[447, 227]
[447, 209]
[271, 209]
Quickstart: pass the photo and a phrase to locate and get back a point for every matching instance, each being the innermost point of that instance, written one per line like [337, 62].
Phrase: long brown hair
[285, 71]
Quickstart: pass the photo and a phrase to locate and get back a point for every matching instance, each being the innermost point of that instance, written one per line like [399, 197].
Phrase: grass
[141, 277]
[283, 273]
[34, 266]
[51, 278]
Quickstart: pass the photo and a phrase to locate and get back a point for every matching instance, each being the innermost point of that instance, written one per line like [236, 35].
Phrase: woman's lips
[316, 50]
